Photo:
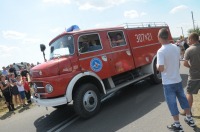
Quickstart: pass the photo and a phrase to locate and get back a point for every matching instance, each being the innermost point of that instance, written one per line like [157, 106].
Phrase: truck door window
[89, 43]
[62, 46]
[116, 38]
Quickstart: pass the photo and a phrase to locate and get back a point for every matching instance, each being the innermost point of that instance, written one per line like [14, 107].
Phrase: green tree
[197, 30]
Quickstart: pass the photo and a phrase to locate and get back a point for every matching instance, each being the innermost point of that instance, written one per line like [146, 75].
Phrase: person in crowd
[192, 61]
[27, 90]
[12, 70]
[21, 90]
[185, 45]
[24, 72]
[180, 44]
[4, 71]
[168, 64]
[32, 65]
[28, 67]
[15, 91]
[6, 90]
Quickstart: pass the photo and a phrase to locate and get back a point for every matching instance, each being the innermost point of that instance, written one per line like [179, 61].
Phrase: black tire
[60, 106]
[87, 100]
[156, 77]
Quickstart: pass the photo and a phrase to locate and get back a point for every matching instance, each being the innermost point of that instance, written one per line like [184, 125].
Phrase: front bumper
[49, 102]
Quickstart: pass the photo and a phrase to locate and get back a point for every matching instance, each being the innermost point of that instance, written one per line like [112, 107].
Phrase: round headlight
[49, 88]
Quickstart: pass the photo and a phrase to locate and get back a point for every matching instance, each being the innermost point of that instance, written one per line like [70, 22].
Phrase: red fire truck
[87, 65]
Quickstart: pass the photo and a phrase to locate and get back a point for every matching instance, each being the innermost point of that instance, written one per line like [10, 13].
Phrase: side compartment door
[92, 55]
[121, 59]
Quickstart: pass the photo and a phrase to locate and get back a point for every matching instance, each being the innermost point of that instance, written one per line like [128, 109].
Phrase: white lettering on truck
[143, 37]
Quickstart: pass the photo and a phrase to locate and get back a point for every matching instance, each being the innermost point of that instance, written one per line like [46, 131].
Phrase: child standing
[20, 87]
[27, 90]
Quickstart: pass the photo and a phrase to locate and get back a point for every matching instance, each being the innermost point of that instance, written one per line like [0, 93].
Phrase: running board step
[127, 83]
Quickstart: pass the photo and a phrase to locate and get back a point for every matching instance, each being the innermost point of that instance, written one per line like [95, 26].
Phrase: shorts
[172, 92]
[22, 94]
[15, 90]
[193, 86]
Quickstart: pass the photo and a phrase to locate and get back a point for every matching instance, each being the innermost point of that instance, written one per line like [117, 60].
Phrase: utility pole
[182, 31]
[193, 20]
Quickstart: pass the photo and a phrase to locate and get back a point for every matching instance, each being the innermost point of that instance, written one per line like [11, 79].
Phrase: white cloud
[178, 9]
[98, 5]
[6, 51]
[133, 14]
[57, 1]
[31, 41]
[13, 35]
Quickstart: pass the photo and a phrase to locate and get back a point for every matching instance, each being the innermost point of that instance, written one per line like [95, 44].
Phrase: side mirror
[42, 47]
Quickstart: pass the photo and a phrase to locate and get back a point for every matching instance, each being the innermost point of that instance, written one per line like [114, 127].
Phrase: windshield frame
[57, 42]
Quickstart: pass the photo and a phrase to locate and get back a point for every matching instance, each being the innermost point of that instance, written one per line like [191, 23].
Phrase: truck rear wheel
[156, 77]
[87, 100]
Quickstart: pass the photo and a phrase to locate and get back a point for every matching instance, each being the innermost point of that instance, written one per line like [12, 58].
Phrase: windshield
[62, 46]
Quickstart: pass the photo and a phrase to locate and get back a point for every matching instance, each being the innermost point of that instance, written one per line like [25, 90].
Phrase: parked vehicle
[87, 65]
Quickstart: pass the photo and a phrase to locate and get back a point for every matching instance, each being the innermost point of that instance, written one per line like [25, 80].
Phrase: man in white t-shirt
[168, 64]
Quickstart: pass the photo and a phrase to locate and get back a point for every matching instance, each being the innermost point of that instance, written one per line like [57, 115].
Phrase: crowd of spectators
[15, 85]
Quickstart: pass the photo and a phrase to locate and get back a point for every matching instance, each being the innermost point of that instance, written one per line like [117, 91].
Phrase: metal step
[128, 82]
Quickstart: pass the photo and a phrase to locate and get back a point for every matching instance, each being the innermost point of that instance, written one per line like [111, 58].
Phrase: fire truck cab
[87, 65]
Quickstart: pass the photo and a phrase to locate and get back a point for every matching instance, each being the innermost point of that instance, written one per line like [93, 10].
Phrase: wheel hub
[90, 100]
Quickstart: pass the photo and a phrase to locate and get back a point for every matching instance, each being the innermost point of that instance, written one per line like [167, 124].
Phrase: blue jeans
[173, 91]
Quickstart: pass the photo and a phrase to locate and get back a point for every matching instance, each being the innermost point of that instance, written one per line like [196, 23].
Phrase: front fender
[70, 87]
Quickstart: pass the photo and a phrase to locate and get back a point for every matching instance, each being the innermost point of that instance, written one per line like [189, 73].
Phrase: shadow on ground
[19, 109]
[48, 121]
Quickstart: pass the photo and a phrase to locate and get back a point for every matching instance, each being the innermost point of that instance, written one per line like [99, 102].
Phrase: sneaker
[173, 128]
[190, 122]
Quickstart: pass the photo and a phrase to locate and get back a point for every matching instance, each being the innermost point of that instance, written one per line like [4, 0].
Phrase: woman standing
[6, 89]
[15, 91]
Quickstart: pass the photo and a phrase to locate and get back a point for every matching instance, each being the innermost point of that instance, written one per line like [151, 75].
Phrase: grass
[196, 110]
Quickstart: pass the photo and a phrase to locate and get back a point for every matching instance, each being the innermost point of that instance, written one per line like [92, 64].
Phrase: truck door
[121, 59]
[92, 55]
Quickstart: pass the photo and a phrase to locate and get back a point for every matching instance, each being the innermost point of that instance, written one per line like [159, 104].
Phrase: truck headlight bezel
[49, 88]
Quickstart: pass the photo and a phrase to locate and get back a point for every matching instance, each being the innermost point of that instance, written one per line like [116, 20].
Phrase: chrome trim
[40, 87]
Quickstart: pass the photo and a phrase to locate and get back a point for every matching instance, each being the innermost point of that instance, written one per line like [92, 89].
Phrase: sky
[25, 24]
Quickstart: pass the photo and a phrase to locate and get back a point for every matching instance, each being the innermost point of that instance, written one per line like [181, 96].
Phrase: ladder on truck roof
[143, 25]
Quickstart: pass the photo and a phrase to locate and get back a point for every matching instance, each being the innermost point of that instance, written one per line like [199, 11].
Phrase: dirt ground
[196, 109]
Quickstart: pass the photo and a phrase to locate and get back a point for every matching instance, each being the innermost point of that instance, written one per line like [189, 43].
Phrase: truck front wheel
[156, 77]
[87, 100]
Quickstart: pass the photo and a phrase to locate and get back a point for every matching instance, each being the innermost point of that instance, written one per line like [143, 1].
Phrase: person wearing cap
[27, 90]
